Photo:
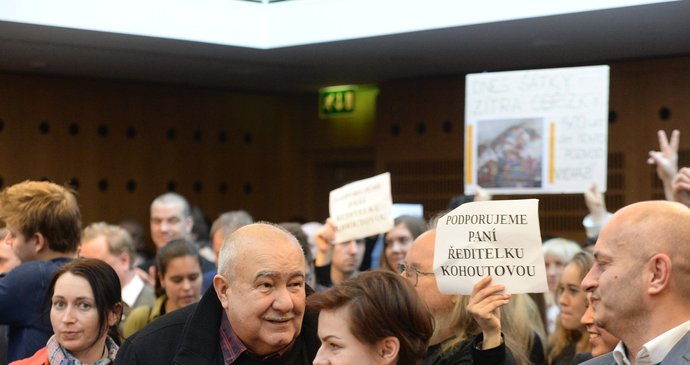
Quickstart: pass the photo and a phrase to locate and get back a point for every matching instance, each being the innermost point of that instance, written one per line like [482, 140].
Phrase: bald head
[652, 226]
[253, 240]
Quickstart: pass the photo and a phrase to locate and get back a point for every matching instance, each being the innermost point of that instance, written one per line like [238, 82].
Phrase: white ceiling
[655, 30]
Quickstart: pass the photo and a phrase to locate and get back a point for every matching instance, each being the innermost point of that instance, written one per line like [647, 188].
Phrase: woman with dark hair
[374, 318]
[397, 241]
[178, 284]
[85, 309]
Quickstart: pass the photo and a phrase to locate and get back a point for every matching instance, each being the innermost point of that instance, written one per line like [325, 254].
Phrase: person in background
[336, 261]
[296, 230]
[225, 224]
[557, 253]
[397, 241]
[114, 246]
[44, 229]
[374, 318]
[136, 231]
[171, 219]
[601, 341]
[8, 260]
[467, 329]
[570, 336]
[85, 309]
[222, 227]
[178, 284]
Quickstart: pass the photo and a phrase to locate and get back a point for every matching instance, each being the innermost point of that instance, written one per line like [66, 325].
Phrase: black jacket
[189, 336]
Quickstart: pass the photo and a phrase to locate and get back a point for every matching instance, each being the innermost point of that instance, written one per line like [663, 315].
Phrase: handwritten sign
[362, 208]
[499, 238]
[536, 131]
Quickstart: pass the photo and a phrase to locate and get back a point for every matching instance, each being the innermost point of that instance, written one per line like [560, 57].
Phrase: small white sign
[499, 238]
[362, 208]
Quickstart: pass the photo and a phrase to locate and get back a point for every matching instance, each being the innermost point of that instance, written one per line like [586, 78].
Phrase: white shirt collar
[655, 350]
[130, 292]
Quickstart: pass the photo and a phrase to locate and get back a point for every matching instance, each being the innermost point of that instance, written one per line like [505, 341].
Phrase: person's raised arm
[666, 160]
[598, 215]
[324, 239]
[681, 186]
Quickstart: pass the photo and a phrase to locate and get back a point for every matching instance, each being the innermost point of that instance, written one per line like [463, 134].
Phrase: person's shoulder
[39, 358]
[162, 334]
[168, 322]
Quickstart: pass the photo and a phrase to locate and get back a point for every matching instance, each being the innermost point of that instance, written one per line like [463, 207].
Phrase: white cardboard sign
[537, 131]
[500, 238]
[362, 208]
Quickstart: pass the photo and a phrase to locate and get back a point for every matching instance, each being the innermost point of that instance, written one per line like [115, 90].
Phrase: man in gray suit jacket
[640, 284]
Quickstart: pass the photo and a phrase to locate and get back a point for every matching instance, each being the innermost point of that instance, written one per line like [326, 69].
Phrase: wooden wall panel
[272, 155]
[222, 150]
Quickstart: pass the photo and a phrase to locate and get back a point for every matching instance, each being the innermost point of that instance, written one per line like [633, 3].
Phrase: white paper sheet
[500, 238]
[362, 208]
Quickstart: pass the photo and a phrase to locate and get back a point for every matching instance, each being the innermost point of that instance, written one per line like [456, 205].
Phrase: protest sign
[362, 208]
[537, 131]
[499, 238]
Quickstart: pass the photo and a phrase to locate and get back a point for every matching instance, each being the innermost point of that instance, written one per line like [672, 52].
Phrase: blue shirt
[24, 308]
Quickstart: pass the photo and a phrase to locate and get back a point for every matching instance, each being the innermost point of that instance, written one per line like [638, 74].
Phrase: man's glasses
[412, 273]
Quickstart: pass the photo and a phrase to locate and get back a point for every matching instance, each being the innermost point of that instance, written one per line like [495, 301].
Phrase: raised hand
[666, 160]
[484, 306]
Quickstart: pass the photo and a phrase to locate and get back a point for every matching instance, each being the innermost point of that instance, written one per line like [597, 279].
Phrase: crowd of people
[246, 292]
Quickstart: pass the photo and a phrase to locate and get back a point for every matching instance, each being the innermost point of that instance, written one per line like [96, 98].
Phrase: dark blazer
[679, 355]
[190, 336]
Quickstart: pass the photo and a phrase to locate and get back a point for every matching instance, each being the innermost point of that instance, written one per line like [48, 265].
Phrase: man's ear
[660, 268]
[388, 349]
[41, 243]
[222, 288]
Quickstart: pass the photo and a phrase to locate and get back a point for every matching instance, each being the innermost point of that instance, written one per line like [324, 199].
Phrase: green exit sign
[336, 102]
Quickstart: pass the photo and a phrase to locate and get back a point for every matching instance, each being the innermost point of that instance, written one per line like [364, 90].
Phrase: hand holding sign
[493, 238]
[485, 306]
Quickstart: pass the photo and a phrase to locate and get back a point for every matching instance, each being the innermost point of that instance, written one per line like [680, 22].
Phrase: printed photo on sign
[509, 153]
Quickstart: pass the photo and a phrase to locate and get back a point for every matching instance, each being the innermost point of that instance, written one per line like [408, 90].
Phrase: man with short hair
[640, 284]
[225, 225]
[114, 245]
[44, 225]
[336, 261]
[171, 218]
[255, 313]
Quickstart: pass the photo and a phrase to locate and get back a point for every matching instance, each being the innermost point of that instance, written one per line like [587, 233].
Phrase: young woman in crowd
[397, 241]
[374, 318]
[601, 340]
[178, 284]
[85, 309]
[570, 336]
[557, 253]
